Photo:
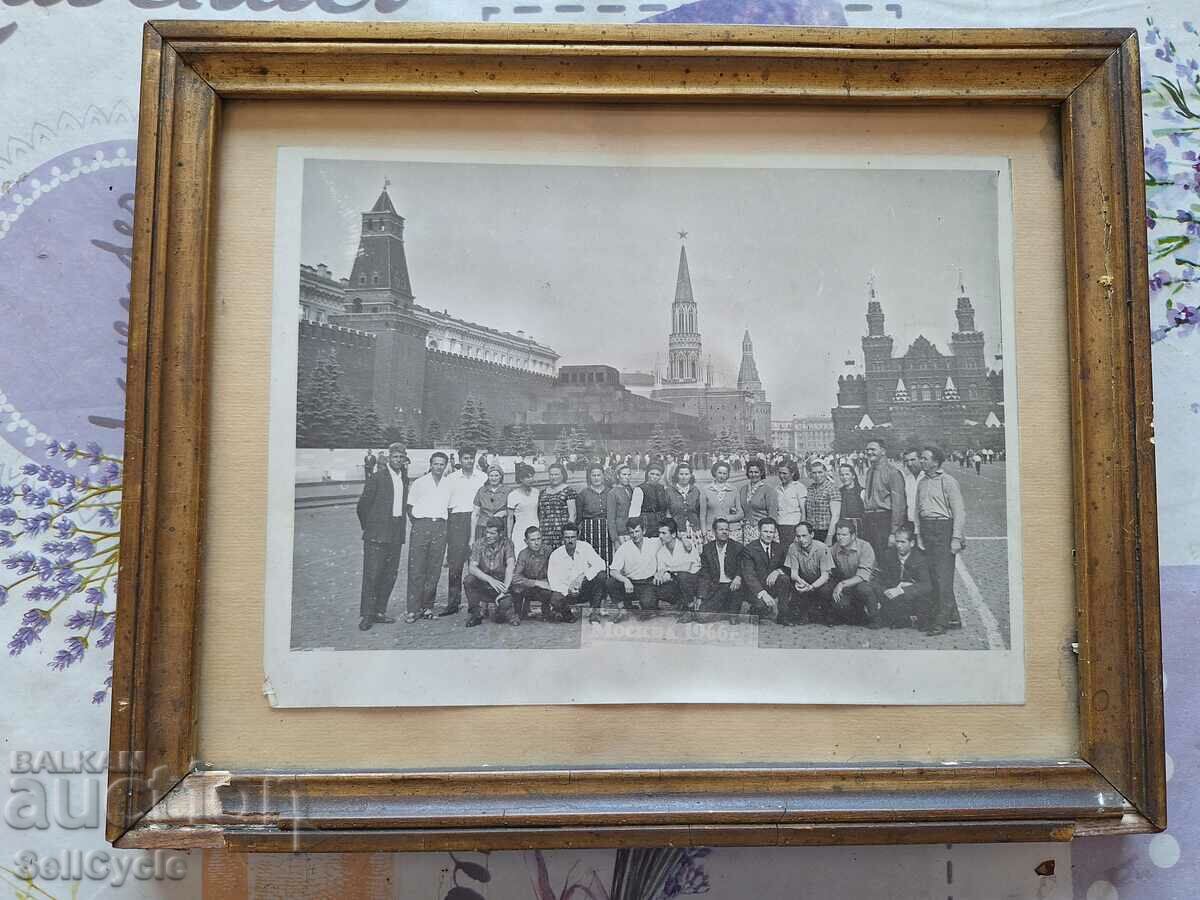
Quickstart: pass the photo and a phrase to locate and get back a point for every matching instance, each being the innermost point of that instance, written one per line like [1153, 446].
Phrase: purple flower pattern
[62, 528]
[1171, 76]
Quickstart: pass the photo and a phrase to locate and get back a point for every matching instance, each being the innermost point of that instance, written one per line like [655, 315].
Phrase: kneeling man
[855, 601]
[905, 585]
[720, 572]
[576, 575]
[764, 573]
[810, 565]
[677, 579]
[489, 575]
[531, 582]
[631, 575]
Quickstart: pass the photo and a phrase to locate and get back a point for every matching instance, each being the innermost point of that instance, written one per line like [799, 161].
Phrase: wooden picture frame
[159, 796]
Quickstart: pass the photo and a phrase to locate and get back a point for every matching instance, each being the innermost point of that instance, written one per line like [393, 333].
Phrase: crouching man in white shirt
[576, 574]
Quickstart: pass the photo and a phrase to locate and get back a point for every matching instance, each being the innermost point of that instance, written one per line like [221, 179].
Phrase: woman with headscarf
[522, 505]
[684, 499]
[491, 501]
[591, 505]
[720, 500]
[759, 499]
[555, 507]
[655, 504]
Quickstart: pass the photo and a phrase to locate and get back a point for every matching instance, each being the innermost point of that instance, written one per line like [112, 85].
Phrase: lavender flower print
[62, 526]
[1172, 108]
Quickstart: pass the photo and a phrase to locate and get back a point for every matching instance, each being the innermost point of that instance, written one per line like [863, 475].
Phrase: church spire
[684, 344]
[683, 281]
[748, 379]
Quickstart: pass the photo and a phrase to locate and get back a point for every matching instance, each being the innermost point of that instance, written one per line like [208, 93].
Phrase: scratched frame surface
[1117, 784]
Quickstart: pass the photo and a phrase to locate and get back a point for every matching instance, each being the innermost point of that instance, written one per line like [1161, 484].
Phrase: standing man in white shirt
[460, 527]
[912, 471]
[381, 516]
[575, 574]
[428, 509]
[631, 575]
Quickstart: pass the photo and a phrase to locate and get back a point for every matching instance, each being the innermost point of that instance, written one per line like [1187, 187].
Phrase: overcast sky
[584, 258]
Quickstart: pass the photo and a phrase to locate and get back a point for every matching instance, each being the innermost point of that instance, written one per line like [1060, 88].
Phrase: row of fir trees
[328, 418]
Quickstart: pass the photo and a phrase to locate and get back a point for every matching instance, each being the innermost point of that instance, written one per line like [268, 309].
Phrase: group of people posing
[874, 546]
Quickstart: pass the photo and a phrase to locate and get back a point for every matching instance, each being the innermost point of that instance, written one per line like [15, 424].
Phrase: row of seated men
[798, 583]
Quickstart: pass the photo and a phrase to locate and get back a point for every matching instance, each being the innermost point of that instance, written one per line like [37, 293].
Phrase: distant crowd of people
[855, 538]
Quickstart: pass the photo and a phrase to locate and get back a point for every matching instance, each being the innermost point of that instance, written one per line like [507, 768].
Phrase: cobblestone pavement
[328, 570]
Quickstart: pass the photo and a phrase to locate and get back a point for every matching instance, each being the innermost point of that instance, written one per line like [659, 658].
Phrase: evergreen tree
[474, 426]
[724, 442]
[678, 443]
[328, 418]
[399, 430]
[523, 442]
[486, 432]
[468, 418]
[370, 432]
[433, 434]
[562, 446]
[578, 442]
[658, 440]
[507, 443]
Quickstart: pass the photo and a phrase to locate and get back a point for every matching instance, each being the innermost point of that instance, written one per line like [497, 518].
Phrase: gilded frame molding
[1117, 785]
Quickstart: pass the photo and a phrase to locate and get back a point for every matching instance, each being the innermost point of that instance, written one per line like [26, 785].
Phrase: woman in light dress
[522, 505]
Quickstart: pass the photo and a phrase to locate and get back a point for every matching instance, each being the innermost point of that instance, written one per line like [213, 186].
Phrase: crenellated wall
[353, 350]
[507, 393]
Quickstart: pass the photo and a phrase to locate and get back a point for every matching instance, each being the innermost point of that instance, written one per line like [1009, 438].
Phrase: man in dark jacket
[721, 572]
[381, 515]
[764, 572]
[904, 585]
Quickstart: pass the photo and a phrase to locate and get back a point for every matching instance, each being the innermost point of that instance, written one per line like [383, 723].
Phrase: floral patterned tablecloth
[68, 76]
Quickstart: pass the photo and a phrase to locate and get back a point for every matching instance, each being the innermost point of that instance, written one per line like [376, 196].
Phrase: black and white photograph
[562, 430]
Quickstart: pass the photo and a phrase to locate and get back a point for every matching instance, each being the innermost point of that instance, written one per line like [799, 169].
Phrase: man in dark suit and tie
[764, 572]
[905, 585]
[721, 572]
[381, 515]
